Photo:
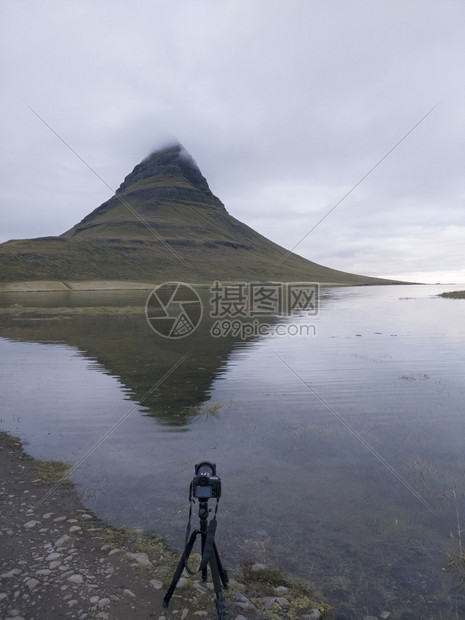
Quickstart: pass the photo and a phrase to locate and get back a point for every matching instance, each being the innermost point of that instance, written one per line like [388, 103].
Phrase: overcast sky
[284, 104]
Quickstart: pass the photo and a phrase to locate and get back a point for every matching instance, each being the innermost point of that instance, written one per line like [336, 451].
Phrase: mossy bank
[60, 561]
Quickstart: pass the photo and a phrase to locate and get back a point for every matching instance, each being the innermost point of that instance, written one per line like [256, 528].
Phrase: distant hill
[162, 224]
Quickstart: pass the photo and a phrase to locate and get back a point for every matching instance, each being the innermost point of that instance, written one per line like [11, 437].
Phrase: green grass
[151, 261]
[12, 443]
[301, 596]
[50, 472]
[453, 295]
[53, 472]
[136, 541]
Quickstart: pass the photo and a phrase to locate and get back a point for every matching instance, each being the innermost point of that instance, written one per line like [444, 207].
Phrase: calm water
[330, 447]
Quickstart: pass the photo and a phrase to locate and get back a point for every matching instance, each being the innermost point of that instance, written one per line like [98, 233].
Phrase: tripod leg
[223, 573]
[204, 566]
[219, 600]
[180, 568]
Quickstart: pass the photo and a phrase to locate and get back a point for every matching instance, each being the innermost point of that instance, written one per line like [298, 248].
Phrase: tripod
[209, 556]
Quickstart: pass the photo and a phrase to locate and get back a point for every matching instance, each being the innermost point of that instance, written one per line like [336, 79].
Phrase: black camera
[206, 483]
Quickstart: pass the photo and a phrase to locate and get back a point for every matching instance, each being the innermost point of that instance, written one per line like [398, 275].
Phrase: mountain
[163, 223]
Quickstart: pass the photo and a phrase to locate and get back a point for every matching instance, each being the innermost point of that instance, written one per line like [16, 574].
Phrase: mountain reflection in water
[299, 490]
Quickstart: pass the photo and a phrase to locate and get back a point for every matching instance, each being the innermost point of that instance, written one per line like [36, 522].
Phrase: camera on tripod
[206, 484]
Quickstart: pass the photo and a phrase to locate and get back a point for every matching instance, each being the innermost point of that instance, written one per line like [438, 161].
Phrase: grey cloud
[285, 105]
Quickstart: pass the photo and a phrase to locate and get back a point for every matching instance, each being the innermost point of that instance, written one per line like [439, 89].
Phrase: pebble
[32, 583]
[269, 601]
[129, 592]
[243, 601]
[157, 585]
[257, 567]
[314, 614]
[199, 587]
[141, 558]
[76, 578]
[12, 573]
[62, 540]
[30, 524]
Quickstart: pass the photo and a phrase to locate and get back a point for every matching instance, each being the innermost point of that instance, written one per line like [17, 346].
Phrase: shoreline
[45, 286]
[61, 561]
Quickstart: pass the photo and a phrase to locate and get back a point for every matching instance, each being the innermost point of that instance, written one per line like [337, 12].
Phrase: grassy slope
[44, 259]
[190, 237]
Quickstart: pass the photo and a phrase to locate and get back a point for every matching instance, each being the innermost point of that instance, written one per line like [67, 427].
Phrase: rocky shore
[59, 561]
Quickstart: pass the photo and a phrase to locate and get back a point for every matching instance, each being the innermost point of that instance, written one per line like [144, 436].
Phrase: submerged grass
[50, 472]
[204, 411]
[453, 295]
[271, 582]
[256, 584]
[11, 442]
[53, 472]
[137, 541]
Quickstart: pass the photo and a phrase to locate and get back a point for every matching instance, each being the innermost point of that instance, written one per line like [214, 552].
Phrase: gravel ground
[59, 561]
[56, 562]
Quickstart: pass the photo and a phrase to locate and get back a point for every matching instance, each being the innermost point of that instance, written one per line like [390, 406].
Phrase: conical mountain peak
[170, 163]
[164, 189]
[163, 224]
